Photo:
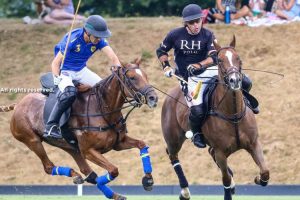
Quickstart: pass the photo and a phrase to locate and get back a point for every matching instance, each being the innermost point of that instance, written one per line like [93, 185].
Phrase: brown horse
[230, 124]
[97, 123]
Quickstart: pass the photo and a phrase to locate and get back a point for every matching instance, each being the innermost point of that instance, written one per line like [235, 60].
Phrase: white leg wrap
[185, 192]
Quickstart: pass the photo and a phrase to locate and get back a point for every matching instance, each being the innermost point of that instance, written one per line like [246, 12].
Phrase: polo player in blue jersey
[84, 42]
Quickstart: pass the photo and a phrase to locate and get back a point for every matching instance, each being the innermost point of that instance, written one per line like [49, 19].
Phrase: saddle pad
[207, 94]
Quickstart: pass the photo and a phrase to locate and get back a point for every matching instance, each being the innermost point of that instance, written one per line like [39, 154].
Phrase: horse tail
[7, 108]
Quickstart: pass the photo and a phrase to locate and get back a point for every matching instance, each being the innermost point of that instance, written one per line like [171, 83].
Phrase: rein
[99, 89]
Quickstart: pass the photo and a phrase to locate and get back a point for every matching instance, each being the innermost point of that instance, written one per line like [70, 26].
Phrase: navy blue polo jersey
[188, 49]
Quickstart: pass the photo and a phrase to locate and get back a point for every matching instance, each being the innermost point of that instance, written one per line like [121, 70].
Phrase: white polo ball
[189, 134]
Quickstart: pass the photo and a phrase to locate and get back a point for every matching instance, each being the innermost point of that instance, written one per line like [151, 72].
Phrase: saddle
[51, 91]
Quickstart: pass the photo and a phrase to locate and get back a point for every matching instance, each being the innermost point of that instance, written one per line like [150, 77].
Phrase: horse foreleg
[211, 151]
[257, 155]
[101, 181]
[128, 143]
[228, 184]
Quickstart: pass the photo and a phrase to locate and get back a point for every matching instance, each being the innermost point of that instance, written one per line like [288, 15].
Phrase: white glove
[56, 79]
[168, 71]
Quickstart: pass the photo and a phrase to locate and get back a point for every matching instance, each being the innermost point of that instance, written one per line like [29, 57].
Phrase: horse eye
[131, 78]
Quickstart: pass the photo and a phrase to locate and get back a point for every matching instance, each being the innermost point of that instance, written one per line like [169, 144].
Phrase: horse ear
[232, 43]
[216, 45]
[138, 60]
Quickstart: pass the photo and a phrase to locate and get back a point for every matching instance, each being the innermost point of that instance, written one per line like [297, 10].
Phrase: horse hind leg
[184, 185]
[257, 155]
[34, 143]
[84, 168]
[228, 183]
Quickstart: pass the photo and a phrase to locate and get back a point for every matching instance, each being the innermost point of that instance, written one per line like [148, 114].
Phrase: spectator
[257, 7]
[218, 12]
[273, 5]
[291, 9]
[60, 12]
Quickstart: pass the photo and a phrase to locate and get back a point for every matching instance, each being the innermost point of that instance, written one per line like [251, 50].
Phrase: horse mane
[101, 86]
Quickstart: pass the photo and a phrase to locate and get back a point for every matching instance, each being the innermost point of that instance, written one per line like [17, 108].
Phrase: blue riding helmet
[96, 26]
[191, 12]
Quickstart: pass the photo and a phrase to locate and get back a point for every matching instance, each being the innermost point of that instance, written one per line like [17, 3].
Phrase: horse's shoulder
[175, 91]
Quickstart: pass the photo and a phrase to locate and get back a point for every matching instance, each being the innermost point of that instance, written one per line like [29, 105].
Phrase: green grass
[147, 197]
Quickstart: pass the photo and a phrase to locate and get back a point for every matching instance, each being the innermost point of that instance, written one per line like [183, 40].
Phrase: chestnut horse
[97, 124]
[230, 124]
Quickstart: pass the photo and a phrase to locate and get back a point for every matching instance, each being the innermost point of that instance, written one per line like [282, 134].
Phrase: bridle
[237, 116]
[139, 95]
[230, 70]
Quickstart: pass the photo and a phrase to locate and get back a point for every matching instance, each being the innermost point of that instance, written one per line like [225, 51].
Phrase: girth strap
[101, 129]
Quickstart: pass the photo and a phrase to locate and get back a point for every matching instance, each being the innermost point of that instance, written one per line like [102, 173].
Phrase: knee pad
[196, 113]
[68, 95]
[246, 83]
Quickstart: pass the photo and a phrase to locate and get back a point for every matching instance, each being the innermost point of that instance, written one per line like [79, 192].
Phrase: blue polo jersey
[78, 51]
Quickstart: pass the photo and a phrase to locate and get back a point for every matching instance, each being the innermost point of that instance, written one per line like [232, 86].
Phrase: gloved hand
[56, 79]
[168, 71]
[195, 71]
[191, 69]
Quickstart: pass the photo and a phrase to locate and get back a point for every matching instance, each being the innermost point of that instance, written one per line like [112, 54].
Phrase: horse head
[230, 65]
[135, 84]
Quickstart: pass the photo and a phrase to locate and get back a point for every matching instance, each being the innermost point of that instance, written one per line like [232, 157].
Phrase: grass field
[147, 197]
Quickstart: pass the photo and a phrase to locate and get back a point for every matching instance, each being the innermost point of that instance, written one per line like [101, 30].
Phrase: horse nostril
[151, 98]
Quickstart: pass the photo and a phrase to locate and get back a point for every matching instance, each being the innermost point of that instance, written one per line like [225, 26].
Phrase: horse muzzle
[235, 81]
[152, 99]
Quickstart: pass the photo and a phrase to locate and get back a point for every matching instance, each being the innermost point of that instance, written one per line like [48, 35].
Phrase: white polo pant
[192, 84]
[84, 76]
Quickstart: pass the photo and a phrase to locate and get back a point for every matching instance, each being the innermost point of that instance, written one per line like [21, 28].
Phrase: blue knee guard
[62, 171]
[101, 181]
[146, 160]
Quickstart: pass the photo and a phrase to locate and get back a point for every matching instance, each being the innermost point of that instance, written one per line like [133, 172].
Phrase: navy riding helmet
[96, 26]
[191, 12]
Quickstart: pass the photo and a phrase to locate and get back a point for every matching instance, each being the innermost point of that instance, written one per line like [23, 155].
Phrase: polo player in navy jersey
[84, 42]
[193, 48]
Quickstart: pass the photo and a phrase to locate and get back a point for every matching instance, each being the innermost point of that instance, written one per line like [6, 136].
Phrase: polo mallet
[197, 89]
[68, 41]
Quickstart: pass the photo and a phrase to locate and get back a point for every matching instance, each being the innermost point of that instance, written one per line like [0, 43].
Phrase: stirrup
[200, 143]
[49, 133]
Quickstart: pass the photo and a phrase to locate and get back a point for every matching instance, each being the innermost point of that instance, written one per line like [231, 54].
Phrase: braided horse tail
[7, 108]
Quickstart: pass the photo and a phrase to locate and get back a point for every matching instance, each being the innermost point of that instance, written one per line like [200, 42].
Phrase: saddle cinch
[250, 100]
[51, 91]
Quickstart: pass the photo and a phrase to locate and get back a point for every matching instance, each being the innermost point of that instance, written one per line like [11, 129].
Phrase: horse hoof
[120, 197]
[78, 180]
[232, 190]
[183, 198]
[258, 181]
[147, 183]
